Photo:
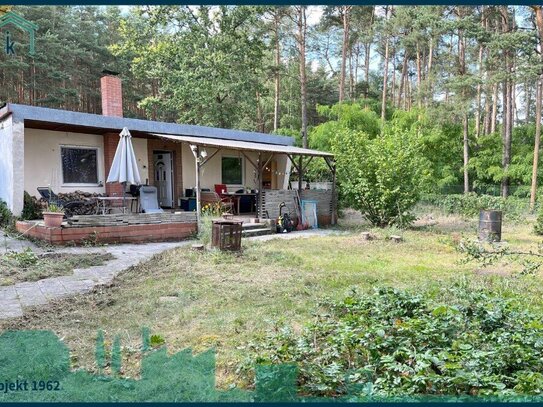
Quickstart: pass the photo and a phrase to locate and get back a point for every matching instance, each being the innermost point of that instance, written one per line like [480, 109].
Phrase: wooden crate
[226, 234]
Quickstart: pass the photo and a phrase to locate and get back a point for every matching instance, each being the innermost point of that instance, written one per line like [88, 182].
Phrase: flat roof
[65, 120]
[242, 145]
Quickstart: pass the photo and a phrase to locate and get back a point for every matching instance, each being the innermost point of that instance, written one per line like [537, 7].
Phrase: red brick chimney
[112, 105]
[112, 94]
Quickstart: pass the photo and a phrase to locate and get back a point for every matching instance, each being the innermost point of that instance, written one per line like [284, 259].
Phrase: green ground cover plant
[464, 341]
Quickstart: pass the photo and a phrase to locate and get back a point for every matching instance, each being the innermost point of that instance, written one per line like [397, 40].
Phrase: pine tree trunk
[344, 48]
[494, 118]
[419, 77]
[355, 72]
[478, 111]
[385, 74]
[302, 29]
[393, 84]
[486, 125]
[465, 123]
[508, 94]
[260, 125]
[506, 152]
[429, 75]
[402, 79]
[367, 56]
[527, 101]
[537, 140]
[538, 11]
[277, 93]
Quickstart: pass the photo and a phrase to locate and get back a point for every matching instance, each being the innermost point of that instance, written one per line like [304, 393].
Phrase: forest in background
[465, 80]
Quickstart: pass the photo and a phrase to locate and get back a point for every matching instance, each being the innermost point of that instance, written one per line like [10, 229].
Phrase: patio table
[104, 203]
[237, 196]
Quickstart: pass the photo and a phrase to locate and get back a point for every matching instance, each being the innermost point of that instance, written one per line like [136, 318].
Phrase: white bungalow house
[71, 151]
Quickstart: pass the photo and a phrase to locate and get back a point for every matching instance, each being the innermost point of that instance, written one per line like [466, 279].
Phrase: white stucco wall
[12, 134]
[140, 149]
[212, 174]
[43, 164]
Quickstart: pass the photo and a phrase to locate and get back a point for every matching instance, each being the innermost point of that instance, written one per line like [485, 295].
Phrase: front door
[164, 178]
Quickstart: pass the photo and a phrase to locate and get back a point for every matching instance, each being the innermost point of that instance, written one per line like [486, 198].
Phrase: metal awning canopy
[295, 154]
[245, 145]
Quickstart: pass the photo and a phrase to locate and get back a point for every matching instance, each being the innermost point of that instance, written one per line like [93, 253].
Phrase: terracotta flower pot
[53, 219]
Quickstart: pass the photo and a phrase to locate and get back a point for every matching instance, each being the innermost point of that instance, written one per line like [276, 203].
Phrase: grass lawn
[211, 299]
[28, 266]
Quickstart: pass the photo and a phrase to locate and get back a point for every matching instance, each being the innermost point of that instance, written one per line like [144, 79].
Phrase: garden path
[14, 298]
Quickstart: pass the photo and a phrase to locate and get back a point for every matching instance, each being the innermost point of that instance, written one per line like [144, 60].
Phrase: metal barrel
[490, 226]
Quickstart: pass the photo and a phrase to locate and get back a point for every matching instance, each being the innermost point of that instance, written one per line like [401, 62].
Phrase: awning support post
[260, 183]
[196, 153]
[300, 173]
[332, 165]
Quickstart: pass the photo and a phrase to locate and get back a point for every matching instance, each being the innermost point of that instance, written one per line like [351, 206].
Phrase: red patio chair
[221, 189]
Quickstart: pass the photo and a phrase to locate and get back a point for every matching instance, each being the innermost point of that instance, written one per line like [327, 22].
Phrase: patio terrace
[115, 228]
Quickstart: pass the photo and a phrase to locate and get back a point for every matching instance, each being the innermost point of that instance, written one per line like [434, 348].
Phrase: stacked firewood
[87, 202]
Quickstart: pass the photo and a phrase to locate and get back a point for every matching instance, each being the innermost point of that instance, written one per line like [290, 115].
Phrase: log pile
[87, 201]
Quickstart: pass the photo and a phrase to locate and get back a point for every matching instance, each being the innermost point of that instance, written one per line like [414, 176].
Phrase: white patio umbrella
[124, 168]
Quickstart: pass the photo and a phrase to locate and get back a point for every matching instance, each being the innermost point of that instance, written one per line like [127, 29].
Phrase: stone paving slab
[74, 286]
[11, 313]
[10, 309]
[8, 293]
[51, 288]
[29, 294]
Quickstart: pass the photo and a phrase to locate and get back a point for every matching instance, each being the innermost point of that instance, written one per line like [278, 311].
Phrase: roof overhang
[246, 146]
[64, 120]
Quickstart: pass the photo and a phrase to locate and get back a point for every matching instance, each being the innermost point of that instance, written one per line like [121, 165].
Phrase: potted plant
[53, 216]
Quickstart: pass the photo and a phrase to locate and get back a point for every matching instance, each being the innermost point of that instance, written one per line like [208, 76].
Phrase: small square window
[232, 171]
[79, 165]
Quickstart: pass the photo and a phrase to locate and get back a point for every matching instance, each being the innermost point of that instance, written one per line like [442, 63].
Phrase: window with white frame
[79, 165]
[232, 170]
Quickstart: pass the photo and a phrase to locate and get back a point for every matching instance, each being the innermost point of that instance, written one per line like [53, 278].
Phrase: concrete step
[250, 226]
[256, 232]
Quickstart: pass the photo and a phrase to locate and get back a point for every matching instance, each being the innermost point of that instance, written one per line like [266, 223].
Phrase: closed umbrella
[124, 168]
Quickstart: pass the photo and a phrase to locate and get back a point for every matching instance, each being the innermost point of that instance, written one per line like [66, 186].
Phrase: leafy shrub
[470, 204]
[394, 342]
[538, 226]
[5, 214]
[383, 177]
[31, 208]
